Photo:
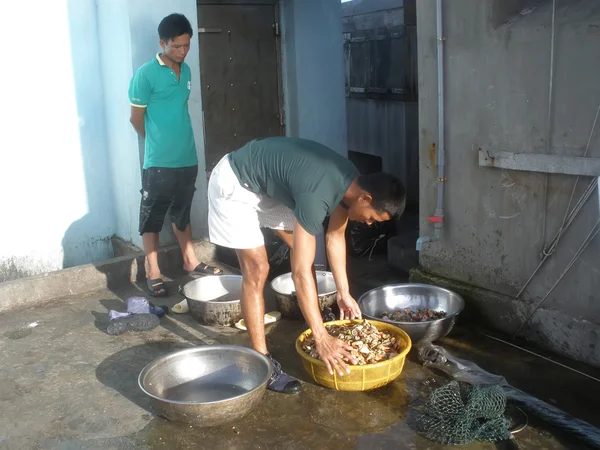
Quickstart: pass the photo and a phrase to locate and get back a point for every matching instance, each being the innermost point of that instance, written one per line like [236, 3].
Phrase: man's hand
[137, 120]
[348, 307]
[331, 350]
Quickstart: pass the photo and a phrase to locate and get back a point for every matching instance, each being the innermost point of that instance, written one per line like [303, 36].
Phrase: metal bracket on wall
[537, 162]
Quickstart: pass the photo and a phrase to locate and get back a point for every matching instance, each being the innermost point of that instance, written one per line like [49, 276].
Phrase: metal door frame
[278, 54]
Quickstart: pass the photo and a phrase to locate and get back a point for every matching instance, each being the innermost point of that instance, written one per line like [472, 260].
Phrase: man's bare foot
[202, 268]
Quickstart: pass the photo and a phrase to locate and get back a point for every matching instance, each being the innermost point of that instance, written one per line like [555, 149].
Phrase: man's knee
[255, 266]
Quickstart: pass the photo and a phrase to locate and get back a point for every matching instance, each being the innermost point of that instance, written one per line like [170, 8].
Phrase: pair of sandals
[157, 288]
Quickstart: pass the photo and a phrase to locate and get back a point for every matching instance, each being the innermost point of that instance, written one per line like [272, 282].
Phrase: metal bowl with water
[214, 299]
[207, 385]
[415, 296]
[285, 293]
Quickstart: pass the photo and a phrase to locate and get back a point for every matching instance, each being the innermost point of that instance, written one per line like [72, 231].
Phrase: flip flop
[155, 286]
[271, 317]
[181, 308]
[205, 269]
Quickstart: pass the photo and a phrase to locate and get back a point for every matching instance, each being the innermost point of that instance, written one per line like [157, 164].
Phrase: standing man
[159, 93]
[291, 185]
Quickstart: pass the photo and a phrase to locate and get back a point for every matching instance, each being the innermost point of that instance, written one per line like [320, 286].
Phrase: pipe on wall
[438, 218]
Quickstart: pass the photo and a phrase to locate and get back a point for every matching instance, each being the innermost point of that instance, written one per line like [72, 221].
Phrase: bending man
[291, 185]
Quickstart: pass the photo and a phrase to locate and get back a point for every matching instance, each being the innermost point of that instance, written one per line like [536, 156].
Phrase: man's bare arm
[330, 349]
[137, 120]
[335, 241]
[336, 254]
[303, 256]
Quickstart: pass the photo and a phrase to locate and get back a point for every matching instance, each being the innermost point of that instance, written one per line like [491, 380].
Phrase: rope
[550, 100]
[597, 380]
[381, 236]
[590, 237]
[587, 149]
[570, 218]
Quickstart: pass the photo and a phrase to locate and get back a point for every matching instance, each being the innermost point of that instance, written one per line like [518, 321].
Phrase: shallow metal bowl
[285, 293]
[415, 296]
[207, 385]
[215, 299]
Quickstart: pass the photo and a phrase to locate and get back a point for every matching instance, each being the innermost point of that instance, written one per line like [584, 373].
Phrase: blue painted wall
[122, 144]
[313, 78]
[313, 68]
[72, 177]
[56, 203]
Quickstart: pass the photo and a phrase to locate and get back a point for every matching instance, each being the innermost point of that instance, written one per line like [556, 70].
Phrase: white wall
[55, 201]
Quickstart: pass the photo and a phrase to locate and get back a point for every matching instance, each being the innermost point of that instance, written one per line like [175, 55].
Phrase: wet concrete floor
[66, 384]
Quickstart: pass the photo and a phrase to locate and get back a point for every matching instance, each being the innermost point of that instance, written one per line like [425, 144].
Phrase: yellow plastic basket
[360, 378]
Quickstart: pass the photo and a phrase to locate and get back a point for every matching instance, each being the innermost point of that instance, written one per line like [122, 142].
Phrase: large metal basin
[285, 293]
[215, 299]
[416, 296]
[208, 385]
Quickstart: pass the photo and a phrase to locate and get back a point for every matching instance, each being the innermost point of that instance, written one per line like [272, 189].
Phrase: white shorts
[235, 214]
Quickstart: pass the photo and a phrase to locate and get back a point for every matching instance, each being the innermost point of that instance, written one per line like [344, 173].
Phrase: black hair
[387, 192]
[172, 26]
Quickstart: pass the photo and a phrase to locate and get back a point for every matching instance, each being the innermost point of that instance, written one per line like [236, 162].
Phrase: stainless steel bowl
[415, 296]
[215, 299]
[207, 385]
[285, 293]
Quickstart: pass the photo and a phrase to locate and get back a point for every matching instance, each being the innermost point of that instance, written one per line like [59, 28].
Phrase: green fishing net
[460, 414]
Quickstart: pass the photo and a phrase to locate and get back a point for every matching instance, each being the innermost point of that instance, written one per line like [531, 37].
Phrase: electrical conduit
[438, 218]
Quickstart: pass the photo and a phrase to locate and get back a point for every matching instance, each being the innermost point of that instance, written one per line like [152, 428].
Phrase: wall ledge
[38, 289]
[573, 337]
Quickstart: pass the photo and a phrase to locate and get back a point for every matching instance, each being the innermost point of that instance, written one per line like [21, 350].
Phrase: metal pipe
[438, 218]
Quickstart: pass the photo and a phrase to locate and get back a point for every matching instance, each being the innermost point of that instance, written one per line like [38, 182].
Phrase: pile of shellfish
[413, 315]
[369, 345]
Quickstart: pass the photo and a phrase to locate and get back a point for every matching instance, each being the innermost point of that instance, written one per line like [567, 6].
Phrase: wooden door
[239, 70]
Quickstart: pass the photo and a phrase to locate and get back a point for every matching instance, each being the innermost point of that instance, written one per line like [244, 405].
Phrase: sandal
[155, 286]
[205, 269]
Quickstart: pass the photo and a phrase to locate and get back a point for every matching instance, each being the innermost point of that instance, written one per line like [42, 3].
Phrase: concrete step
[79, 280]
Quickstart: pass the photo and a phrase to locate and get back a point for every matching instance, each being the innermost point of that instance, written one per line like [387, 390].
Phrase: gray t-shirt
[307, 177]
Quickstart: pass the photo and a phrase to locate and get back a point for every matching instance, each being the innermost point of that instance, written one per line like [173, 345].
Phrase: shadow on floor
[120, 371]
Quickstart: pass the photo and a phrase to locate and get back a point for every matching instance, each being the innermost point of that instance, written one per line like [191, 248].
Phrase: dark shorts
[166, 190]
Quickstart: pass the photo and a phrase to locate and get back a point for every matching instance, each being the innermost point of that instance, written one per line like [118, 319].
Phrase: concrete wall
[497, 97]
[56, 203]
[313, 70]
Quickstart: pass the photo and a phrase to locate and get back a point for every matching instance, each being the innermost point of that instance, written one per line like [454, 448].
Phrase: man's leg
[153, 208]
[180, 212]
[255, 269]
[190, 260]
[151, 249]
